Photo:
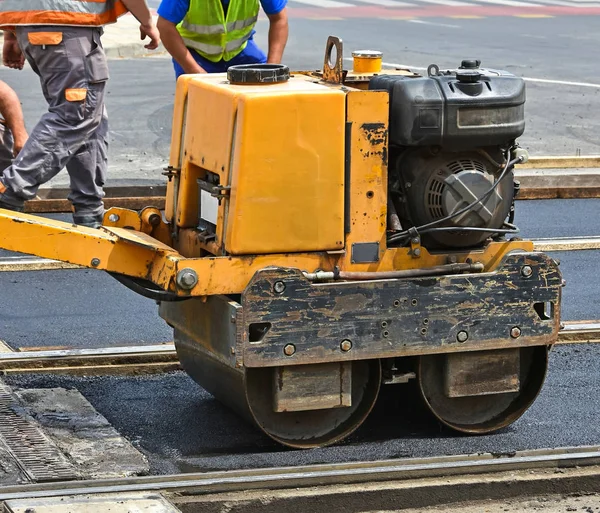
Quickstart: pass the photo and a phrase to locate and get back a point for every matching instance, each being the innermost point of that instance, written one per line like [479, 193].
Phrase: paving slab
[110, 503]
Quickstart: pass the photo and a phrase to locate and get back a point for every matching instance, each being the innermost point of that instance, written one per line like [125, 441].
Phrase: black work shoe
[11, 207]
[88, 220]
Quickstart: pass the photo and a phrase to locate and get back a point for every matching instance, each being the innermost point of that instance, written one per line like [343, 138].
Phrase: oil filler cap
[470, 64]
[258, 73]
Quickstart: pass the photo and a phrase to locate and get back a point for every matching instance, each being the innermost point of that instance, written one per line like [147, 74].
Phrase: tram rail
[161, 358]
[375, 484]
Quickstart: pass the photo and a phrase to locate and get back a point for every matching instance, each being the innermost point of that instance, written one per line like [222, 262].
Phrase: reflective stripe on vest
[60, 12]
[220, 29]
[232, 46]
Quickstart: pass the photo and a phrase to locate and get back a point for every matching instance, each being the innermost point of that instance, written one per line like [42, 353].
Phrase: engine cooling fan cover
[449, 183]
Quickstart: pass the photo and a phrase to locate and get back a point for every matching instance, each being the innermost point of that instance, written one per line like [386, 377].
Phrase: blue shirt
[175, 10]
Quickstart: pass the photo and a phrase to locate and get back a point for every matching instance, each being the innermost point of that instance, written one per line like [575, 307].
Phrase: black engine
[452, 139]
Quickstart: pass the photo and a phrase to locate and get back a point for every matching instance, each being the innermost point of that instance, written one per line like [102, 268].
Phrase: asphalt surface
[183, 429]
[560, 119]
[179, 425]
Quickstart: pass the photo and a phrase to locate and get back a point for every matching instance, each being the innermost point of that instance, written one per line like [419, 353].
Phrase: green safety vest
[206, 29]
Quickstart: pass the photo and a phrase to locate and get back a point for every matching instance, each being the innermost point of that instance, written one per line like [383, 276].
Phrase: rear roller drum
[300, 406]
[482, 391]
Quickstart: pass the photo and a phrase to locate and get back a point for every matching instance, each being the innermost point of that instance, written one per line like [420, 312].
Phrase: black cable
[143, 288]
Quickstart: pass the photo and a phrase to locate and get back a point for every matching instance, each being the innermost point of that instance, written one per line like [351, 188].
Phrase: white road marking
[527, 79]
[451, 3]
[567, 4]
[512, 3]
[327, 4]
[423, 22]
[387, 3]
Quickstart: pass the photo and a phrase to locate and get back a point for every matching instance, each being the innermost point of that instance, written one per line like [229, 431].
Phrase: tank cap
[470, 64]
[468, 76]
[258, 73]
[369, 54]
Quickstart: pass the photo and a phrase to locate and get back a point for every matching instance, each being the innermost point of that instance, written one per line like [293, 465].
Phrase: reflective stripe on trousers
[219, 29]
[216, 49]
[73, 133]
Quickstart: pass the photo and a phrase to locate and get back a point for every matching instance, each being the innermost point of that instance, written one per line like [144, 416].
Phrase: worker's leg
[86, 187]
[6, 147]
[73, 72]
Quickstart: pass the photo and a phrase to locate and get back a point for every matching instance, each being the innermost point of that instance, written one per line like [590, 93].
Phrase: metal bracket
[216, 191]
[171, 171]
[333, 71]
[415, 246]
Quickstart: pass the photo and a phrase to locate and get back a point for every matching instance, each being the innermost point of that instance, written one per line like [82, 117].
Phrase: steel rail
[32, 263]
[125, 360]
[561, 162]
[159, 358]
[317, 475]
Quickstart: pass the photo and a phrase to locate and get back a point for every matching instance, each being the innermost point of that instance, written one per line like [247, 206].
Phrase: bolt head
[415, 241]
[515, 332]
[95, 262]
[154, 219]
[289, 349]
[279, 287]
[113, 218]
[187, 279]
[417, 252]
[526, 271]
[346, 345]
[462, 336]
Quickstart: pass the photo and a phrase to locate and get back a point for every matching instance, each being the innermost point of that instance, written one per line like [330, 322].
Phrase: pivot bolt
[113, 218]
[154, 219]
[515, 332]
[95, 262]
[346, 345]
[279, 287]
[462, 336]
[187, 279]
[417, 252]
[289, 349]
[526, 271]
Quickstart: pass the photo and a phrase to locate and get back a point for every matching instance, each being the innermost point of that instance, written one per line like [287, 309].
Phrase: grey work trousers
[73, 133]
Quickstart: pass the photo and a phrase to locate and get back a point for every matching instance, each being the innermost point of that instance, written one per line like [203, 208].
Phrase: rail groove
[160, 358]
[336, 474]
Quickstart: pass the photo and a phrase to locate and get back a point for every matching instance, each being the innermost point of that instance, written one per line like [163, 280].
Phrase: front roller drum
[302, 406]
[480, 392]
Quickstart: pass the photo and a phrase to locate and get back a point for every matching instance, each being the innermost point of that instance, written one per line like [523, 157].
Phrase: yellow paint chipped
[467, 17]
[533, 16]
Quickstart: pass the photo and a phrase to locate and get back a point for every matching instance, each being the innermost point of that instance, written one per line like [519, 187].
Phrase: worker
[61, 42]
[12, 126]
[208, 36]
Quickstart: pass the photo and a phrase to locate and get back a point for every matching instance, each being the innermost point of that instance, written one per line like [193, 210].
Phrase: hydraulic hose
[390, 275]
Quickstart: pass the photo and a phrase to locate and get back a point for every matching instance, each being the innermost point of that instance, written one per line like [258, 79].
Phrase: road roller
[327, 233]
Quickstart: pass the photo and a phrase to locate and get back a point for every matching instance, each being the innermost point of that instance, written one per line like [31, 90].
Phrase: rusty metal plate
[312, 387]
[482, 373]
[402, 317]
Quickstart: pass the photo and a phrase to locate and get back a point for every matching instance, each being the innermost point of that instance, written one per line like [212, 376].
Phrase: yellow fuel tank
[275, 155]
